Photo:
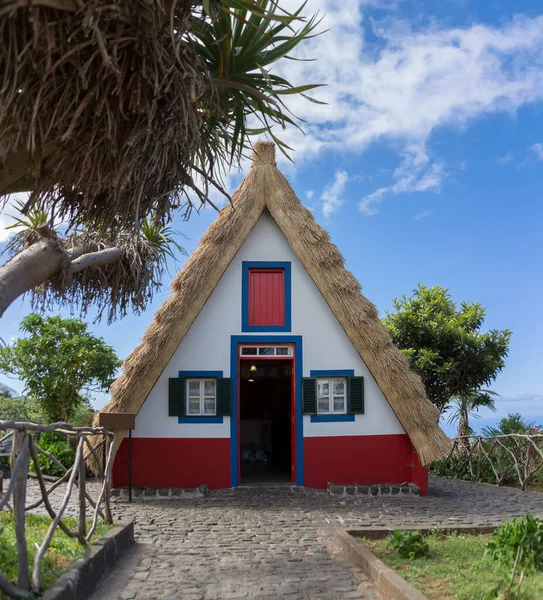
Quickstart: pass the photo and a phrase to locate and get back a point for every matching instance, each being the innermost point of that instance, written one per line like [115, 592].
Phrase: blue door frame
[235, 341]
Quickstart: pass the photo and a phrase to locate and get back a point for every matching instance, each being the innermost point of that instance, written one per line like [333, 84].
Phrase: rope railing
[514, 458]
[25, 451]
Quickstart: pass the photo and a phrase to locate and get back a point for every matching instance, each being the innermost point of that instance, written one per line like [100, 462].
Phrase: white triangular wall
[206, 347]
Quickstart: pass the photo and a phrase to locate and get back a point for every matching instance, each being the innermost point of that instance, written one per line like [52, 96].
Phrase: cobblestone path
[275, 542]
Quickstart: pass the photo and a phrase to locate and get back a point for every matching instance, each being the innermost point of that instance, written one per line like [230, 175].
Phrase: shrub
[59, 447]
[458, 468]
[409, 544]
[524, 533]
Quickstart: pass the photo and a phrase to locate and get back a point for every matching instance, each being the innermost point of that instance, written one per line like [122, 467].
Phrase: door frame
[297, 439]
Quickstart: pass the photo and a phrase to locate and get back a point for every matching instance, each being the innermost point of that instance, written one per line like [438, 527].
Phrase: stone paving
[276, 543]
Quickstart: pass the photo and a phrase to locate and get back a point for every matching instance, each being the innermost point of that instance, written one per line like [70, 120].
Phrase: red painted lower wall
[174, 462]
[364, 459]
[187, 463]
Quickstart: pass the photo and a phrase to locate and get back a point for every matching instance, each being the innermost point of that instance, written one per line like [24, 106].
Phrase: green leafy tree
[20, 409]
[445, 345]
[513, 423]
[60, 362]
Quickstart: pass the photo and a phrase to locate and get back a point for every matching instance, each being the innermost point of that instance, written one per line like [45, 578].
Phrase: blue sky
[425, 166]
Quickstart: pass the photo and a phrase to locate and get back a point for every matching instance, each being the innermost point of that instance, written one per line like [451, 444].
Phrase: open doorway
[265, 420]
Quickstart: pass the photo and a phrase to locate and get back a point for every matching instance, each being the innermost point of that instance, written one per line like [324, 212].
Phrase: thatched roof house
[268, 361]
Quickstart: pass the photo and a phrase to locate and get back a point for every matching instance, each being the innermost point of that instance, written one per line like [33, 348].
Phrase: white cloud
[505, 159]
[415, 174]
[538, 149]
[406, 85]
[528, 405]
[422, 215]
[8, 210]
[331, 196]
[309, 194]
[5, 233]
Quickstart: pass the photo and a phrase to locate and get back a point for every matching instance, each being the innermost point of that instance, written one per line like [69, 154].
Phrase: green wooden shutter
[309, 395]
[176, 397]
[356, 396]
[224, 397]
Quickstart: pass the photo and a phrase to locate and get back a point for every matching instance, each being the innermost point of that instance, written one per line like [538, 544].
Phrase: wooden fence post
[82, 495]
[20, 452]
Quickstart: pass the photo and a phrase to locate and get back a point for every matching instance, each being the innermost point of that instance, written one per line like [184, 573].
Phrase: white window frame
[274, 353]
[331, 396]
[201, 395]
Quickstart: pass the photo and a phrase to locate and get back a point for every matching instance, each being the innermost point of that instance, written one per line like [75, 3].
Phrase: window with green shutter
[309, 395]
[200, 397]
[176, 397]
[356, 396]
[224, 397]
[333, 395]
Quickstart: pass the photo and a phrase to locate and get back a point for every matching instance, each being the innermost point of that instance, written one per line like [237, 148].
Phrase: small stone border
[79, 582]
[372, 490]
[385, 579]
[148, 494]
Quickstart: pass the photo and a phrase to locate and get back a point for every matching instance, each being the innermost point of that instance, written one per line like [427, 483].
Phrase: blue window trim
[332, 418]
[324, 418]
[235, 340]
[332, 373]
[199, 419]
[198, 374]
[245, 266]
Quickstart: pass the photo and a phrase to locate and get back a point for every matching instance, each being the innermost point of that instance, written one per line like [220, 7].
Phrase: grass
[61, 552]
[456, 568]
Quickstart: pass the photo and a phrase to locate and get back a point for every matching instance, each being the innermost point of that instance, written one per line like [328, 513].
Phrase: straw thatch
[266, 188]
[103, 108]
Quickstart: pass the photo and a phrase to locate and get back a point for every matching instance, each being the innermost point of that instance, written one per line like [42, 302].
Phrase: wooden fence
[512, 458]
[24, 450]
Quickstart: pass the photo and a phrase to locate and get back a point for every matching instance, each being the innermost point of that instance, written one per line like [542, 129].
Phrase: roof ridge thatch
[265, 187]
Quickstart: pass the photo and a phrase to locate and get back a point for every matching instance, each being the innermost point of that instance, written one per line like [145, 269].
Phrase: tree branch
[42, 261]
[29, 269]
[95, 259]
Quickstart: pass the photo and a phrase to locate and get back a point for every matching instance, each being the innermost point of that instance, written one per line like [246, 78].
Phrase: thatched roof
[266, 188]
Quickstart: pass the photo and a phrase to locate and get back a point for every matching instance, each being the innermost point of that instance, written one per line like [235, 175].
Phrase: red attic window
[266, 297]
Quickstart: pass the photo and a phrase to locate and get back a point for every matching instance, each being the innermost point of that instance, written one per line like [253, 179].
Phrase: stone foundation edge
[80, 581]
[385, 579]
[377, 534]
[373, 490]
[149, 493]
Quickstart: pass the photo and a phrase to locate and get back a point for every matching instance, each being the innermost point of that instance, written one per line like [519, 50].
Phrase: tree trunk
[28, 269]
[42, 261]
[463, 430]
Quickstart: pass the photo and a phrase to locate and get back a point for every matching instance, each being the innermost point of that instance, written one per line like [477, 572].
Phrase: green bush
[58, 446]
[524, 533]
[455, 468]
[409, 544]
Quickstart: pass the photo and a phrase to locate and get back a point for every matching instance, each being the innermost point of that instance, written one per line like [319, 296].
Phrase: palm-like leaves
[126, 110]
[238, 45]
[161, 239]
[467, 406]
[169, 94]
[27, 227]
